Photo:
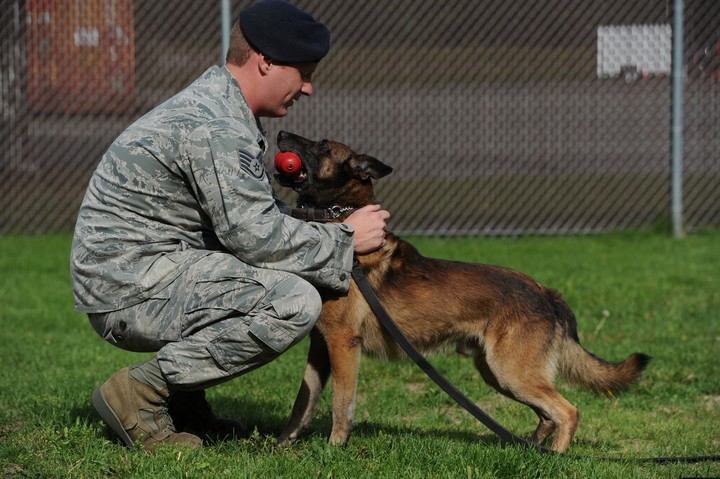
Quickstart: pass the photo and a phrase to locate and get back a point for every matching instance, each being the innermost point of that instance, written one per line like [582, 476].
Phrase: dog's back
[438, 303]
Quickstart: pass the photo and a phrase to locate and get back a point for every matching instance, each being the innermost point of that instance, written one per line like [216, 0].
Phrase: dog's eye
[323, 147]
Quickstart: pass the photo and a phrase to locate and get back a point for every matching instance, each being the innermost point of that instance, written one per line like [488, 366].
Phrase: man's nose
[307, 88]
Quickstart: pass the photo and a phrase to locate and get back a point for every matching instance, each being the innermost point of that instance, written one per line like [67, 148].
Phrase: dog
[520, 334]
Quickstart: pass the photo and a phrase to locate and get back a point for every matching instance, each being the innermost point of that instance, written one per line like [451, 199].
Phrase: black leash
[506, 436]
[379, 310]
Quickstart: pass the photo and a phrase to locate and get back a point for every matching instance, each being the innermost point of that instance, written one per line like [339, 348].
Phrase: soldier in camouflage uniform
[182, 248]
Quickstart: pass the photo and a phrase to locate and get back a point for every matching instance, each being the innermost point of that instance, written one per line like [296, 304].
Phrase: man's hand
[369, 224]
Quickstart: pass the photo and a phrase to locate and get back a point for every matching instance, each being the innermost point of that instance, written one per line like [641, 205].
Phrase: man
[181, 247]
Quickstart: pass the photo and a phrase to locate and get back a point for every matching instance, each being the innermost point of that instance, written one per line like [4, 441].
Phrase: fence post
[226, 24]
[677, 120]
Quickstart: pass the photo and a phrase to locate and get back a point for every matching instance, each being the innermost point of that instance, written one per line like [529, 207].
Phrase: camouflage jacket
[187, 179]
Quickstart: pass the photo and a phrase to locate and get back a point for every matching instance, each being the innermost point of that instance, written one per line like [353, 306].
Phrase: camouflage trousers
[221, 318]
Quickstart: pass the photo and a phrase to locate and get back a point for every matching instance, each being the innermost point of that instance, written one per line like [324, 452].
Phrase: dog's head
[332, 174]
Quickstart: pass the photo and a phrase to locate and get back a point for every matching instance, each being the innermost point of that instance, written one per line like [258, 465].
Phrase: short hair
[239, 50]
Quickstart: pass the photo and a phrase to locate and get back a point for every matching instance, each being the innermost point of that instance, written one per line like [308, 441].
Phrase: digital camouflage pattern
[219, 319]
[184, 181]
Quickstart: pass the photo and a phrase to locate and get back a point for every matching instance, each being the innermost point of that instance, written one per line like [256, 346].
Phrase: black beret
[284, 33]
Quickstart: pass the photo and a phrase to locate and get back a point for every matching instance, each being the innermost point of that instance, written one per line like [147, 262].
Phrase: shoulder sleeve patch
[251, 165]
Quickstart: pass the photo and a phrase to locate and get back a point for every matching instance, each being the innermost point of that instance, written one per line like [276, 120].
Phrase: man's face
[286, 84]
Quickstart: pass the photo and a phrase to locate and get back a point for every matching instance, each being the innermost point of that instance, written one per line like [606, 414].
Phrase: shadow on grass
[268, 421]
[265, 418]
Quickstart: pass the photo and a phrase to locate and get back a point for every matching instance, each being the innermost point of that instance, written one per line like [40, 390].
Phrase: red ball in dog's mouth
[288, 163]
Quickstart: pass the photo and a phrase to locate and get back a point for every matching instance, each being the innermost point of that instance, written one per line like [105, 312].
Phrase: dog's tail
[584, 368]
[580, 366]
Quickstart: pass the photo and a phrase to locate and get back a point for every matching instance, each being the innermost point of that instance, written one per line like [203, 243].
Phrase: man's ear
[365, 167]
[265, 63]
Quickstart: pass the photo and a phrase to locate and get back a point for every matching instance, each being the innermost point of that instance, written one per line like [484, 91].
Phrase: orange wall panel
[81, 55]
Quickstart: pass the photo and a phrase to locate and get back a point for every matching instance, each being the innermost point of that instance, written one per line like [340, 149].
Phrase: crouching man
[181, 247]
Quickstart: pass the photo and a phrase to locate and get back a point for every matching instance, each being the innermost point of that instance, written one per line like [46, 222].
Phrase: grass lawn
[630, 291]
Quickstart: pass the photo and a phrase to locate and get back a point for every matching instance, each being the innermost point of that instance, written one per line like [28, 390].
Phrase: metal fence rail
[548, 117]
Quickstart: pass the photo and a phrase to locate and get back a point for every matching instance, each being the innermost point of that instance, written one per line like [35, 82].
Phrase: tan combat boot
[137, 412]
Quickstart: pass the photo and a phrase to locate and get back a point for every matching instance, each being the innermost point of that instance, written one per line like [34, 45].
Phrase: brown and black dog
[519, 333]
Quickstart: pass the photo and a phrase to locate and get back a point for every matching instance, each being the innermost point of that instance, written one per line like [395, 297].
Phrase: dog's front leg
[344, 348]
[317, 372]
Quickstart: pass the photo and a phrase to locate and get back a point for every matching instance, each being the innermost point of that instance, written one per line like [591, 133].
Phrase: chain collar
[322, 215]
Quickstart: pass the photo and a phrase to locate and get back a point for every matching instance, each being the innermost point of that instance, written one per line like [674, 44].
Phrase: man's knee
[312, 302]
[240, 343]
[296, 301]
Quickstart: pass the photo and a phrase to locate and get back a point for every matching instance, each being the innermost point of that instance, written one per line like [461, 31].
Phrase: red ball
[288, 163]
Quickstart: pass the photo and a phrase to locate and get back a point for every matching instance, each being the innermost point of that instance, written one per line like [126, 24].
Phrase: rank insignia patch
[251, 165]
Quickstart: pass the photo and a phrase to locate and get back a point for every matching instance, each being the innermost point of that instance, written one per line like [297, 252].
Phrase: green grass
[631, 292]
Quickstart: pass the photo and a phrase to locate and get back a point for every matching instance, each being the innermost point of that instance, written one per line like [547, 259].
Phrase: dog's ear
[368, 167]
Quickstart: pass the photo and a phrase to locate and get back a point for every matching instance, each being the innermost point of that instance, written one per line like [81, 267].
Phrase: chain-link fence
[499, 117]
